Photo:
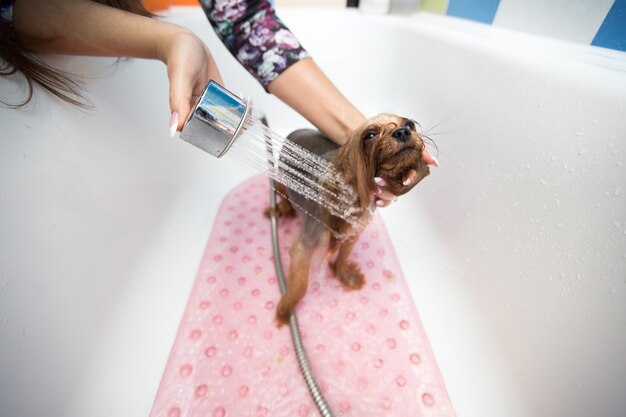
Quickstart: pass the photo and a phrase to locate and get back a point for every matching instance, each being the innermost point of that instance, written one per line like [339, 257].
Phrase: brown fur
[361, 159]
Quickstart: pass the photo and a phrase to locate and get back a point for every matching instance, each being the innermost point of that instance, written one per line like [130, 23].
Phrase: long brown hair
[37, 70]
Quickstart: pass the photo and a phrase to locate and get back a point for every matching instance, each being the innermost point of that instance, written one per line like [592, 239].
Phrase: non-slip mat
[367, 348]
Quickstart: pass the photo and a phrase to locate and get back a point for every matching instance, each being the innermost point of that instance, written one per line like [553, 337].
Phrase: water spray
[222, 122]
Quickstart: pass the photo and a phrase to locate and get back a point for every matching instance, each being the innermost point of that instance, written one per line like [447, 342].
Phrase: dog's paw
[350, 276]
[285, 208]
[283, 313]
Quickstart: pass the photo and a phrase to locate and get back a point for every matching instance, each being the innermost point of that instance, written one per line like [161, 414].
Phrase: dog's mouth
[412, 152]
[407, 151]
[396, 167]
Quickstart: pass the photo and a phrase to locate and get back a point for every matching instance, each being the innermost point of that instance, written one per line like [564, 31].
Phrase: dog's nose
[402, 134]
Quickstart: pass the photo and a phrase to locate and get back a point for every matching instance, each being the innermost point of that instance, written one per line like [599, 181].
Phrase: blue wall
[612, 33]
[593, 22]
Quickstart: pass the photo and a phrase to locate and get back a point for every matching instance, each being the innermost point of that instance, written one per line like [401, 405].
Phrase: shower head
[216, 120]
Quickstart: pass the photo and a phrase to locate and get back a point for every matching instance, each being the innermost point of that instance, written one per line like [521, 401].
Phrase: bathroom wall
[592, 22]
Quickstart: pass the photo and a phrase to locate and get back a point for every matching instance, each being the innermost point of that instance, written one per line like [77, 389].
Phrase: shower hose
[303, 361]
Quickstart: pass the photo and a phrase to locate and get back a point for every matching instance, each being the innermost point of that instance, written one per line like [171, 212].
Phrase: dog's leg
[348, 273]
[304, 248]
[297, 280]
[284, 208]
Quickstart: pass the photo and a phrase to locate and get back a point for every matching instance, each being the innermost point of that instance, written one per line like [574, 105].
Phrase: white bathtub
[515, 248]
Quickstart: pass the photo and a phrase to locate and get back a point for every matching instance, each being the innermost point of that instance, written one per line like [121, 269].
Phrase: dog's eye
[369, 135]
[410, 124]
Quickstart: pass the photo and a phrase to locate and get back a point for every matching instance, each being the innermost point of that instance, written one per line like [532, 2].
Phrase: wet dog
[386, 146]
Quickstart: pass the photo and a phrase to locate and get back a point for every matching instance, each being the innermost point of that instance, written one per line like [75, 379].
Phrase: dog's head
[385, 146]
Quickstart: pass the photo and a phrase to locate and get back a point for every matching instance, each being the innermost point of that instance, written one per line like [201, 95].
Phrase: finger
[429, 159]
[383, 203]
[180, 98]
[385, 195]
[409, 178]
[173, 123]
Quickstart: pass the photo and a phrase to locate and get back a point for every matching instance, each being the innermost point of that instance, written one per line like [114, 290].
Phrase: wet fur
[359, 160]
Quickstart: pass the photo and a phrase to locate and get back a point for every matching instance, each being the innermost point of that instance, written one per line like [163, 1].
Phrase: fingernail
[173, 123]
[379, 181]
[380, 203]
[436, 163]
[406, 182]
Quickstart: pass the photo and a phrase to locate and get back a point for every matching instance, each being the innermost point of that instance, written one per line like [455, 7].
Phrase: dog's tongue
[428, 158]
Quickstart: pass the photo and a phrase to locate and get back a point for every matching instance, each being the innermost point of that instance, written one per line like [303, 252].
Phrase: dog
[386, 146]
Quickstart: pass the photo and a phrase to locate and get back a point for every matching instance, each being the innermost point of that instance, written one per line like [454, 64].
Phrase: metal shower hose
[305, 367]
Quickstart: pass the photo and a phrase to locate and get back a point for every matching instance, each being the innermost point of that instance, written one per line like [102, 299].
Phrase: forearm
[305, 88]
[271, 53]
[82, 27]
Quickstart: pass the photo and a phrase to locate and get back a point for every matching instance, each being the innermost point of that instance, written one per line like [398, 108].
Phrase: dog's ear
[352, 162]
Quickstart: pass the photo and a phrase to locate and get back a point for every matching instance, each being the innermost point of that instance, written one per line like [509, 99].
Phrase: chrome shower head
[216, 120]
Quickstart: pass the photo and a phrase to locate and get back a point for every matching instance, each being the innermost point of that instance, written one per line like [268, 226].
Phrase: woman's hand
[81, 27]
[190, 66]
[385, 197]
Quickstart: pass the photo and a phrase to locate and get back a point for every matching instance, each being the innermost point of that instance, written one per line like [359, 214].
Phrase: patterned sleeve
[254, 34]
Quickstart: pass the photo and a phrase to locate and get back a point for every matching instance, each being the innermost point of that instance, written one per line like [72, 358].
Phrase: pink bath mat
[368, 349]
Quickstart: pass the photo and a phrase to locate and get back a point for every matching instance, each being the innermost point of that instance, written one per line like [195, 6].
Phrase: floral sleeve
[254, 34]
